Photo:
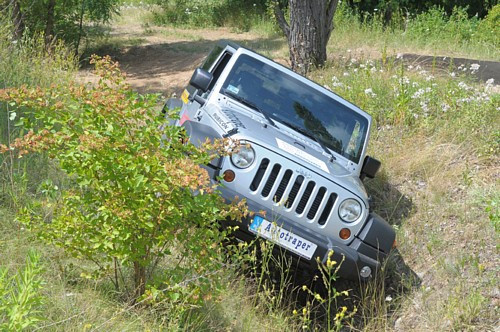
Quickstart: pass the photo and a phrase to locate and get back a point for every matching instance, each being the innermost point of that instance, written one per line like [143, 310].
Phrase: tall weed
[26, 62]
[20, 298]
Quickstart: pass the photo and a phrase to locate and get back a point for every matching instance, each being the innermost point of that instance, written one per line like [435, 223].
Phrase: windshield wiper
[249, 104]
[310, 135]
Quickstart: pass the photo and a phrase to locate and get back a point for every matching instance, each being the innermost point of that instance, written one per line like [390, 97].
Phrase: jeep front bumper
[366, 250]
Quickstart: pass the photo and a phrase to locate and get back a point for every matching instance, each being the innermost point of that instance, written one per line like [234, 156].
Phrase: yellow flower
[304, 288]
[294, 311]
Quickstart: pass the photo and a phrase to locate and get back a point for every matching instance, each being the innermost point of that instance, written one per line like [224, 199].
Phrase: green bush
[489, 27]
[235, 13]
[135, 198]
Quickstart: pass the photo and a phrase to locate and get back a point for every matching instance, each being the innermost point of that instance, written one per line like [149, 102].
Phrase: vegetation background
[436, 131]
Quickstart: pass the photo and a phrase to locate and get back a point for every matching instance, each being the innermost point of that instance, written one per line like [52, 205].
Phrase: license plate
[282, 237]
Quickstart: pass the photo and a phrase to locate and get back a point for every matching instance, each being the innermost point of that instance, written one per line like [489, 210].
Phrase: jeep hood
[244, 125]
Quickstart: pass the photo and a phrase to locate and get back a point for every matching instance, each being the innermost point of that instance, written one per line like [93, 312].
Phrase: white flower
[346, 73]
[445, 107]
[410, 67]
[370, 92]
[399, 56]
[418, 94]
[474, 67]
[490, 82]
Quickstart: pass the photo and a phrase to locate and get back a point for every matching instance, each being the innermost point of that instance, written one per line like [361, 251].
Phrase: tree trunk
[139, 280]
[80, 28]
[17, 20]
[310, 27]
[49, 26]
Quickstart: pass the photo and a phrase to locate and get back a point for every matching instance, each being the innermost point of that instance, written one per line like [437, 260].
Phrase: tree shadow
[166, 67]
[443, 64]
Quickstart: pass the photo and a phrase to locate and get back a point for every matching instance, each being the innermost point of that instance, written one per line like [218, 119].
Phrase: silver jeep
[302, 162]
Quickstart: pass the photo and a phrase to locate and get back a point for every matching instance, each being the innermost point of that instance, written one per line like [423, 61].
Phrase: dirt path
[162, 59]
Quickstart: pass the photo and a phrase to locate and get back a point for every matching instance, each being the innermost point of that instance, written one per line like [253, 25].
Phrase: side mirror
[370, 167]
[201, 79]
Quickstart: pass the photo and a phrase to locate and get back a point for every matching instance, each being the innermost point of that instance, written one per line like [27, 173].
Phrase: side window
[219, 68]
[214, 54]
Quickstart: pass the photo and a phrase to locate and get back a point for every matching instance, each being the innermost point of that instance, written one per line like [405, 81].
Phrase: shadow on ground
[446, 65]
[166, 67]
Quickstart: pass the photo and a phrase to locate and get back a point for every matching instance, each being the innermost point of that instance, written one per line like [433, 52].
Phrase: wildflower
[490, 82]
[318, 297]
[445, 107]
[370, 92]
[410, 67]
[294, 312]
[418, 94]
[346, 74]
[474, 67]
[452, 74]
[304, 288]
[399, 56]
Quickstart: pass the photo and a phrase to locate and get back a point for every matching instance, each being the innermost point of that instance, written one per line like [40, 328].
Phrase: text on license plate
[284, 238]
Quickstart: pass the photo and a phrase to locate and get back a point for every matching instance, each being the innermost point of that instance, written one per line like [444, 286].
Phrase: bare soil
[165, 57]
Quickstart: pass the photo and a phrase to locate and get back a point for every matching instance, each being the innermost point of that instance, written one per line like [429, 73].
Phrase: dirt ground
[162, 59]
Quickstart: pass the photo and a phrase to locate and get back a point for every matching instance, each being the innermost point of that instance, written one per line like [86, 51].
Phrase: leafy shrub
[135, 197]
[489, 28]
[436, 25]
[20, 298]
[235, 13]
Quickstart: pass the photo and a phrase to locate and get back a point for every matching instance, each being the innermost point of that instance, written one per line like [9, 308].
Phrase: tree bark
[310, 27]
[49, 26]
[139, 280]
[17, 20]
[80, 27]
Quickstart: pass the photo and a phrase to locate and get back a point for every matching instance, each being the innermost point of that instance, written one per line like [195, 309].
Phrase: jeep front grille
[304, 196]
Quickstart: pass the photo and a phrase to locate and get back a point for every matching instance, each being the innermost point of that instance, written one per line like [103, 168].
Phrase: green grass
[437, 136]
[430, 33]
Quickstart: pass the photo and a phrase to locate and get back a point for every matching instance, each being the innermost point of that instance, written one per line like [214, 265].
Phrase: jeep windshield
[297, 105]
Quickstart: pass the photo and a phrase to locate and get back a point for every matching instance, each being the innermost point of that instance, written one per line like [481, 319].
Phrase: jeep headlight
[244, 157]
[349, 210]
